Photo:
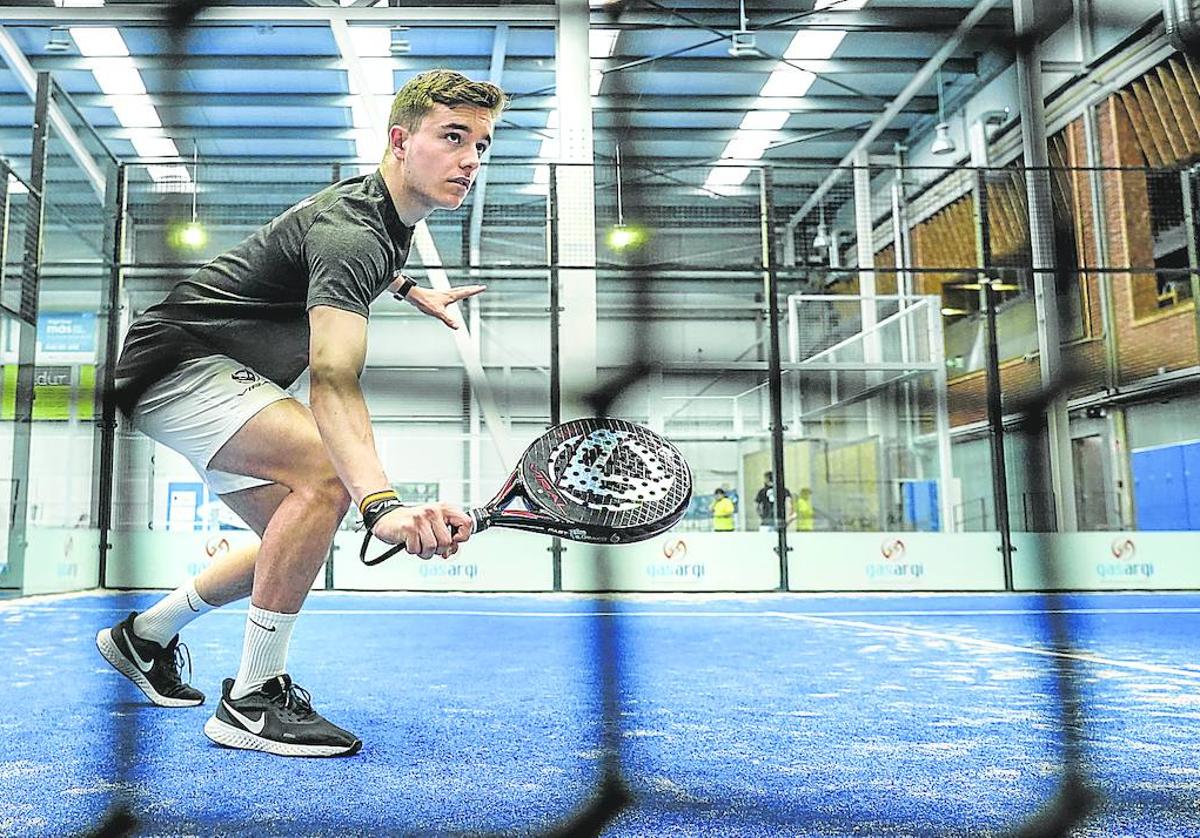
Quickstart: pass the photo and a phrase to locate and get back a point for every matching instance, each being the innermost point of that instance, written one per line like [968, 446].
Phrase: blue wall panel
[1160, 489]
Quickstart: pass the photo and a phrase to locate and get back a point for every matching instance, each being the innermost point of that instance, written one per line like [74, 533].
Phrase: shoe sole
[108, 648]
[232, 737]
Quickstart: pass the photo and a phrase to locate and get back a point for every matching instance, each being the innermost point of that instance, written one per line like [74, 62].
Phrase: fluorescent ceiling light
[814, 43]
[787, 81]
[764, 120]
[746, 145]
[118, 76]
[602, 42]
[722, 178]
[77, 4]
[148, 144]
[176, 175]
[371, 41]
[136, 112]
[99, 41]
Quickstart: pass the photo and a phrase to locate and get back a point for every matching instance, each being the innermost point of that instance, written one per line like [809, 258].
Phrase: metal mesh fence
[884, 349]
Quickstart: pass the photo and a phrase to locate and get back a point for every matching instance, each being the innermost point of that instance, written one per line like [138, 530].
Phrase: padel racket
[597, 480]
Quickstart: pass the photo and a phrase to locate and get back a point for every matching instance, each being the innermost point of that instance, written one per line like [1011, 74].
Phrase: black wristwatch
[405, 286]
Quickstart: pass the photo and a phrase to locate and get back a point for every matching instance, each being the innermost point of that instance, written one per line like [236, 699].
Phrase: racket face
[608, 479]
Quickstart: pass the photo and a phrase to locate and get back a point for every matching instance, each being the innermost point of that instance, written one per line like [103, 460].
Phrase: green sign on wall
[60, 392]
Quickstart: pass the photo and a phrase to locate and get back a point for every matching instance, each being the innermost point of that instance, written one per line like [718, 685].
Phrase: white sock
[264, 651]
[174, 611]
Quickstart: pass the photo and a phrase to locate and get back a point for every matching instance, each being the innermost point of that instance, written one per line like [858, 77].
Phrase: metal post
[995, 408]
[1190, 196]
[996, 423]
[113, 289]
[556, 547]
[31, 281]
[774, 365]
[1041, 240]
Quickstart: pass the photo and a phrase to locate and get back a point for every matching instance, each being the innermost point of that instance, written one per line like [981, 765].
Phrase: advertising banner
[678, 561]
[495, 560]
[1107, 561]
[898, 561]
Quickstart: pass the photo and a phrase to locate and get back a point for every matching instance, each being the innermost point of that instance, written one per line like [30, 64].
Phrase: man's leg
[260, 709]
[226, 580]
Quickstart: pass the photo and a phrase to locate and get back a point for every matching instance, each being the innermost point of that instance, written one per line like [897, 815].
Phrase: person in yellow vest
[804, 511]
[722, 512]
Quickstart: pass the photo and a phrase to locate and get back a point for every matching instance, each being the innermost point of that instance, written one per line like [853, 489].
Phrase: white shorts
[199, 406]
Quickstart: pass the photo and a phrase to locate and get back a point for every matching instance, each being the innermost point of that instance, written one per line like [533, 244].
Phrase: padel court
[752, 715]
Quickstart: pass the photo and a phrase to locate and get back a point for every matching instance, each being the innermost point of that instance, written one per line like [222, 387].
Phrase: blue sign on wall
[67, 331]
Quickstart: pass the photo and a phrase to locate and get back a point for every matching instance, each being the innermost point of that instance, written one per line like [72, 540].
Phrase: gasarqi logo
[675, 549]
[893, 550]
[1124, 564]
[675, 552]
[216, 546]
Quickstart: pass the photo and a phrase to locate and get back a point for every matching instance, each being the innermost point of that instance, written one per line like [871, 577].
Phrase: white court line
[45, 607]
[992, 644]
[820, 618]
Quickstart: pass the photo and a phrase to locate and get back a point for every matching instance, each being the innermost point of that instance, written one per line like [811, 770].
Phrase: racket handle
[479, 516]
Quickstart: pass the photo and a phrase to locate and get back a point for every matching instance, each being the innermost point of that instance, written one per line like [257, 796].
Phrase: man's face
[441, 158]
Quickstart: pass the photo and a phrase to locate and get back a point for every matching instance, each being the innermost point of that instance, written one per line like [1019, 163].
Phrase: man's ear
[398, 138]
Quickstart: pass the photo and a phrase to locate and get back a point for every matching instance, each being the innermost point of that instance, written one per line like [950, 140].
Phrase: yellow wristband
[385, 494]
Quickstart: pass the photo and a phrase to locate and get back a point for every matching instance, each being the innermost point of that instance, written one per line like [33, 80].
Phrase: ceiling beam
[612, 104]
[879, 65]
[296, 15]
[316, 133]
[909, 18]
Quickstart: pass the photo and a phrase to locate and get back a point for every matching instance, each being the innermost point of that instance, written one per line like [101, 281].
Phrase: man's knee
[325, 489]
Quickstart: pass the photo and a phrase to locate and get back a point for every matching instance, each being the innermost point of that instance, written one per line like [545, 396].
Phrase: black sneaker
[277, 718]
[157, 670]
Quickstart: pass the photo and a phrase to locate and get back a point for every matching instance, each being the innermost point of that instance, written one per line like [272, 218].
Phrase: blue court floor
[756, 715]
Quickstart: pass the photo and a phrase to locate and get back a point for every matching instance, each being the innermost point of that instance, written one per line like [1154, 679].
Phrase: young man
[764, 502]
[204, 372]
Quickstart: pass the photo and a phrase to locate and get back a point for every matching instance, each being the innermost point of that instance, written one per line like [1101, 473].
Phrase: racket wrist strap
[377, 504]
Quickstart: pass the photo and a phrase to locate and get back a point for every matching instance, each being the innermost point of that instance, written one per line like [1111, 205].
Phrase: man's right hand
[425, 530]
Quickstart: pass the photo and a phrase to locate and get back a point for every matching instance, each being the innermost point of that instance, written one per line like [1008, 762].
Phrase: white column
[576, 209]
[1041, 234]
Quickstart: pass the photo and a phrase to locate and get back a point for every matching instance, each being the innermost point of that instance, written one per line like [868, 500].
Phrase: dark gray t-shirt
[342, 247]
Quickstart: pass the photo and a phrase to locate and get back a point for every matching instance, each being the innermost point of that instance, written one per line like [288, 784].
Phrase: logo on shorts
[244, 374]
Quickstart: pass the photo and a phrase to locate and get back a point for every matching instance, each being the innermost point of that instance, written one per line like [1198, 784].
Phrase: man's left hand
[436, 303]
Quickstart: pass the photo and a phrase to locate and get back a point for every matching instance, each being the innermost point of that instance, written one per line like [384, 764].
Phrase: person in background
[722, 512]
[764, 501]
[804, 511]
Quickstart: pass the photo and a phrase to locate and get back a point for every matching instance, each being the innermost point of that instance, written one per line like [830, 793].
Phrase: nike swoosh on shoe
[145, 666]
[255, 726]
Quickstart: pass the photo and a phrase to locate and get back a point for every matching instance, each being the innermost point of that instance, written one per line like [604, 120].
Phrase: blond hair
[442, 87]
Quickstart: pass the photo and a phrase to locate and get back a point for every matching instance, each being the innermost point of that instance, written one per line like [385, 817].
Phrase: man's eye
[453, 136]
[481, 147]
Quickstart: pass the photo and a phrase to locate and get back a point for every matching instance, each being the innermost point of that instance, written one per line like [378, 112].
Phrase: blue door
[1160, 489]
[921, 505]
[1191, 480]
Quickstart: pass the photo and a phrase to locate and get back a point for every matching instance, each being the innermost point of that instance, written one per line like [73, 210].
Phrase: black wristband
[377, 509]
[407, 285]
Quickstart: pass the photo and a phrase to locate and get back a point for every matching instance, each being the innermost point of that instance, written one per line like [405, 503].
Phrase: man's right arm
[337, 353]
